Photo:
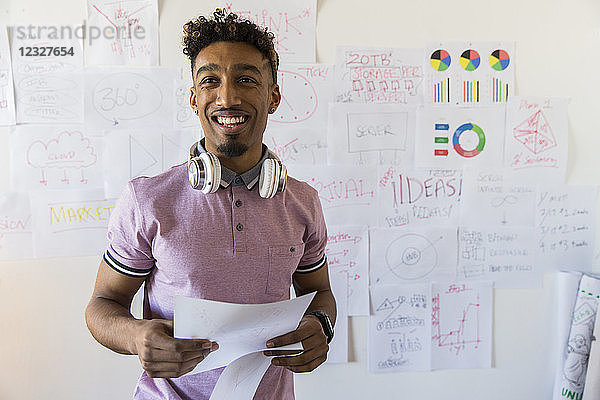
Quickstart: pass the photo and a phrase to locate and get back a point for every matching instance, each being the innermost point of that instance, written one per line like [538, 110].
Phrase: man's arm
[112, 325]
[309, 331]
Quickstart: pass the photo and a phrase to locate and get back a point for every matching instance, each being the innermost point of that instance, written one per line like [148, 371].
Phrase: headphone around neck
[204, 172]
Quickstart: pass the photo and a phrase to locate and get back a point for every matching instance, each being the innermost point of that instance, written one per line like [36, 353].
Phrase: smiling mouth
[230, 122]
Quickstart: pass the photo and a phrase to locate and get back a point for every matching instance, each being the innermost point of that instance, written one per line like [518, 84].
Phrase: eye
[208, 80]
[247, 79]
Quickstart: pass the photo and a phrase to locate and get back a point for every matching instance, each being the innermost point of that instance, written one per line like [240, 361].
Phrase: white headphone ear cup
[212, 172]
[282, 182]
[266, 182]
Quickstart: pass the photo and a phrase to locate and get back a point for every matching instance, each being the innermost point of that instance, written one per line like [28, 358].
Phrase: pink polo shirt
[231, 246]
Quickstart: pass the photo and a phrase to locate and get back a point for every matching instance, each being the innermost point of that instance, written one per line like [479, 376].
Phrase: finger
[305, 358]
[276, 353]
[303, 332]
[170, 370]
[182, 345]
[158, 355]
[302, 367]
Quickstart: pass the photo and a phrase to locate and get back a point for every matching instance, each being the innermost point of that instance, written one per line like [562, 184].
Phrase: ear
[193, 99]
[275, 97]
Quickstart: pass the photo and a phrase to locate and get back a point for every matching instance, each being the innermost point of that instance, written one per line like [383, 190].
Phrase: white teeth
[230, 120]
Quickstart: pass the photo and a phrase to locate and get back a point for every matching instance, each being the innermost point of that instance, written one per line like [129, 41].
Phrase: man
[231, 245]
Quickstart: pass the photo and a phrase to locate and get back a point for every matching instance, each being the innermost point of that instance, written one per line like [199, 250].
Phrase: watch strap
[325, 323]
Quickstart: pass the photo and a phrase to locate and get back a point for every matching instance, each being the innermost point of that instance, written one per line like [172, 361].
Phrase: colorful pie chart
[499, 60]
[470, 60]
[440, 60]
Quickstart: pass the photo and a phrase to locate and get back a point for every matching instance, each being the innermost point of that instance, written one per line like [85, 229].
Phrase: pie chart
[440, 60]
[499, 60]
[470, 60]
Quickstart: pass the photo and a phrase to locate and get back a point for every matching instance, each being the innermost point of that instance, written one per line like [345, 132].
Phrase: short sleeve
[314, 248]
[129, 249]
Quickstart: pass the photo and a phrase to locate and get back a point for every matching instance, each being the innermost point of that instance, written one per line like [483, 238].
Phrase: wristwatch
[325, 322]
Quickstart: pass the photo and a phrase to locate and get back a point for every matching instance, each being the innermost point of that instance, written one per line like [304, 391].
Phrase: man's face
[233, 92]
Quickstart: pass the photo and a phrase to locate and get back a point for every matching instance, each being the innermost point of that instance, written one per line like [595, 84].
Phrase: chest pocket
[283, 261]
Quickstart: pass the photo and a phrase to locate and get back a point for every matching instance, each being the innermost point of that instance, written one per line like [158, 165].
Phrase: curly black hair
[228, 27]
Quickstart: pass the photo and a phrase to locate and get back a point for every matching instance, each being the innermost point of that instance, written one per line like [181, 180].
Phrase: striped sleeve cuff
[303, 269]
[124, 269]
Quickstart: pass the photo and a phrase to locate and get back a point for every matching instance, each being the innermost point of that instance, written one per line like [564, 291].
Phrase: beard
[232, 149]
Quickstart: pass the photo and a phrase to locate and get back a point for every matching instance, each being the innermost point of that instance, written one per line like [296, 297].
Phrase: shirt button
[238, 180]
[238, 203]
[292, 249]
[239, 227]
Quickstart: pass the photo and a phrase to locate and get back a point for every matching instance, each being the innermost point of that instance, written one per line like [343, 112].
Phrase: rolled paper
[592, 379]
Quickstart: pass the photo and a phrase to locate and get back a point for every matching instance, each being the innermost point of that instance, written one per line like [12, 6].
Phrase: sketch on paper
[400, 328]
[16, 240]
[70, 150]
[126, 20]
[293, 23]
[347, 253]
[305, 98]
[298, 146]
[461, 325]
[378, 75]
[129, 99]
[410, 196]
[537, 137]
[403, 255]
[7, 98]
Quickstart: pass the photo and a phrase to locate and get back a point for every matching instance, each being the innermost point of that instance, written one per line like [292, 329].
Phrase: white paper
[176, 146]
[493, 197]
[537, 131]
[371, 134]
[306, 90]
[54, 157]
[347, 254]
[503, 254]
[182, 110]
[297, 145]
[461, 330]
[378, 75]
[122, 32]
[241, 378]
[70, 223]
[567, 283]
[338, 348]
[575, 357]
[16, 238]
[469, 72]
[347, 194]
[292, 22]
[412, 254]
[7, 93]
[451, 137]
[400, 328]
[48, 76]
[408, 196]
[239, 329]
[129, 98]
[565, 227]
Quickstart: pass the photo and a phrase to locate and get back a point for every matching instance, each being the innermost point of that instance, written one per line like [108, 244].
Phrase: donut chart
[440, 60]
[470, 60]
[411, 256]
[465, 128]
[499, 60]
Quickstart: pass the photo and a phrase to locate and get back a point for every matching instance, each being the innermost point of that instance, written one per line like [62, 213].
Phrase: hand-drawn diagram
[412, 254]
[15, 226]
[68, 150]
[461, 325]
[302, 90]
[4, 76]
[535, 133]
[399, 328]
[132, 99]
[378, 75]
[48, 89]
[294, 25]
[297, 149]
[347, 253]
[184, 115]
[133, 25]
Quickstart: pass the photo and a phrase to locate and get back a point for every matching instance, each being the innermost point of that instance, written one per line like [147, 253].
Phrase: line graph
[465, 332]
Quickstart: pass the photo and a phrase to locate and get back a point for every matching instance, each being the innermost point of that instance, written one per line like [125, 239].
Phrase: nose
[227, 95]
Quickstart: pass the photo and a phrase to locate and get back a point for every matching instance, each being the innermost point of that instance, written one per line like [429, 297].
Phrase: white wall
[46, 351]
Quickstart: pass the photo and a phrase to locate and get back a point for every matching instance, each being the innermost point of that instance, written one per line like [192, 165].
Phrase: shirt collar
[248, 178]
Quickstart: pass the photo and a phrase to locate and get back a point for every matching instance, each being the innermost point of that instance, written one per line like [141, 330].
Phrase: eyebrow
[236, 67]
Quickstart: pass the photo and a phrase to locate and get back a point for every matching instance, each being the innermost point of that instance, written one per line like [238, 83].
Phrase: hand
[163, 356]
[310, 333]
